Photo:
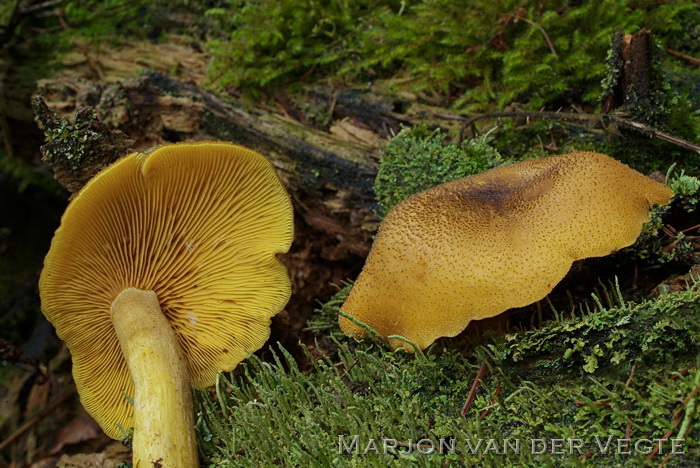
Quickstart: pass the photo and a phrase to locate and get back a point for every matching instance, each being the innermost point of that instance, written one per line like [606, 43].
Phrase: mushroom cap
[475, 247]
[197, 223]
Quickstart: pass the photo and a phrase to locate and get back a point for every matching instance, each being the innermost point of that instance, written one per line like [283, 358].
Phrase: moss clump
[611, 337]
[686, 189]
[542, 53]
[276, 414]
[78, 149]
[417, 159]
[653, 100]
[324, 323]
[663, 240]
[273, 42]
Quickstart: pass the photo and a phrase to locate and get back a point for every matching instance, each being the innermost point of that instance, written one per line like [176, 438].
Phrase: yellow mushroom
[475, 247]
[162, 273]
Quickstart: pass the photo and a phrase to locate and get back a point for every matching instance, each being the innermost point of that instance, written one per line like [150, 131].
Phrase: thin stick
[493, 402]
[676, 421]
[691, 228]
[629, 379]
[568, 116]
[679, 373]
[628, 428]
[42, 6]
[475, 387]
[544, 33]
[36, 418]
[687, 58]
[596, 403]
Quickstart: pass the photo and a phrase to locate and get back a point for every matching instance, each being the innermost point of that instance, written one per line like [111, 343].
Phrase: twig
[19, 13]
[687, 58]
[691, 228]
[41, 6]
[62, 19]
[628, 427]
[665, 437]
[493, 402]
[475, 387]
[652, 132]
[629, 379]
[544, 33]
[36, 418]
[679, 373]
[333, 101]
[568, 116]
[448, 116]
[595, 403]
[676, 421]
[349, 368]
[94, 66]
[520, 15]
[9, 29]
[682, 372]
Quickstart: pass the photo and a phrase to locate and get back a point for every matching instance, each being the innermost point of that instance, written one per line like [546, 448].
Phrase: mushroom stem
[163, 412]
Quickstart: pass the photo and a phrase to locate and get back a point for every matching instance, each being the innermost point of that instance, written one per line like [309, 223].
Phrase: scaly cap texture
[475, 247]
[197, 223]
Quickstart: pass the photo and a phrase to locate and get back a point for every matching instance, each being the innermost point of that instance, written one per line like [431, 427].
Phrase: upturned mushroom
[163, 273]
[475, 247]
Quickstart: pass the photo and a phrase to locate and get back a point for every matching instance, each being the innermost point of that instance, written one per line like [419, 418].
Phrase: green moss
[26, 175]
[6, 9]
[611, 336]
[661, 103]
[539, 53]
[324, 323]
[565, 380]
[273, 42]
[417, 159]
[657, 245]
[542, 138]
[78, 148]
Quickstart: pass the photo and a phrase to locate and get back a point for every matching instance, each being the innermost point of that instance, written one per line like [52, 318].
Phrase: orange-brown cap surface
[475, 247]
[197, 223]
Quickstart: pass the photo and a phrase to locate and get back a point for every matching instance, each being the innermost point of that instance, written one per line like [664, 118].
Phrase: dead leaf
[111, 457]
[80, 429]
[9, 397]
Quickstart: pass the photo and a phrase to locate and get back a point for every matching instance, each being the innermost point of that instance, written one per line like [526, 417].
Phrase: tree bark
[632, 59]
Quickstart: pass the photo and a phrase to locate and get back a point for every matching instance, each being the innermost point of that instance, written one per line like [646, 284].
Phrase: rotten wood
[328, 177]
[83, 135]
[632, 59]
[378, 113]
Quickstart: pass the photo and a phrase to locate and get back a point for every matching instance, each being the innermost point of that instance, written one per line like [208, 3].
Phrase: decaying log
[329, 179]
[632, 60]
[79, 148]
[375, 112]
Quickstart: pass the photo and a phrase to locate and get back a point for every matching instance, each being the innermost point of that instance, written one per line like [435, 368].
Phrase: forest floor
[612, 352]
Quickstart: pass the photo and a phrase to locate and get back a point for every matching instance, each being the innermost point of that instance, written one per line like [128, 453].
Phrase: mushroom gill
[163, 273]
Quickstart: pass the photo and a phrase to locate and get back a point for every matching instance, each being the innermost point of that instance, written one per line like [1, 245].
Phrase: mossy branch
[603, 120]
